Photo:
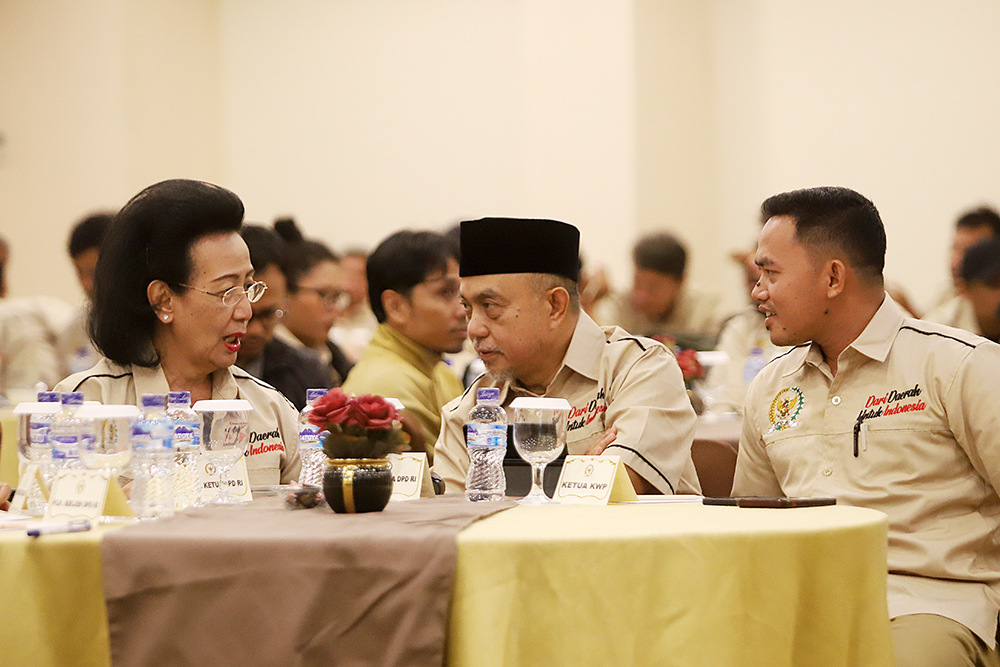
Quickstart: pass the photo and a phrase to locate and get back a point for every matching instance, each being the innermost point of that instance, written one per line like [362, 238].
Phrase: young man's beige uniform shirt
[272, 452]
[927, 454]
[610, 379]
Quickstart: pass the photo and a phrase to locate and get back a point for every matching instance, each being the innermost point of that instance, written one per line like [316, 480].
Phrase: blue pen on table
[74, 526]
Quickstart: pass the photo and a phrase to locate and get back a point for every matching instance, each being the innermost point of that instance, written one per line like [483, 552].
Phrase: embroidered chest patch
[785, 409]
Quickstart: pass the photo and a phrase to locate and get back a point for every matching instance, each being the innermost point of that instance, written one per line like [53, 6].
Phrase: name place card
[31, 484]
[594, 480]
[237, 478]
[85, 494]
[411, 476]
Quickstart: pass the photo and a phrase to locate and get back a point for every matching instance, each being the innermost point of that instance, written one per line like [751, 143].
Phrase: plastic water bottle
[65, 432]
[755, 362]
[311, 443]
[153, 460]
[486, 438]
[187, 449]
[40, 450]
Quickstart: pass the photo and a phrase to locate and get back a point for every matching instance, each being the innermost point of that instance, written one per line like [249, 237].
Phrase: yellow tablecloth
[51, 607]
[672, 584]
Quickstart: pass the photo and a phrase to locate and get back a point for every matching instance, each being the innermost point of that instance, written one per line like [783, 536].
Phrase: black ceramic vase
[357, 485]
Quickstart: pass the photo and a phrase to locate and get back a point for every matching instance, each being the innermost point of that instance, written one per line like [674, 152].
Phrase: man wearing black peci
[519, 287]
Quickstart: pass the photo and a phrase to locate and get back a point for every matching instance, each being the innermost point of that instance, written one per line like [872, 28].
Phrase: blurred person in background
[290, 370]
[356, 324]
[26, 357]
[953, 307]
[661, 303]
[980, 276]
[747, 345]
[316, 299]
[414, 291]
[74, 348]
[172, 295]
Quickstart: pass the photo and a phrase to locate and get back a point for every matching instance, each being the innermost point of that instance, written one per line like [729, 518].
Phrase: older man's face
[507, 323]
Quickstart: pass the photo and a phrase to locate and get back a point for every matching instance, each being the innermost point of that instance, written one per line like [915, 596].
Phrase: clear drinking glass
[225, 430]
[106, 436]
[539, 437]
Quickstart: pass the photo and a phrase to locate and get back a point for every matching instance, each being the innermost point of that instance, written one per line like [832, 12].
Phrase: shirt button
[835, 400]
[827, 472]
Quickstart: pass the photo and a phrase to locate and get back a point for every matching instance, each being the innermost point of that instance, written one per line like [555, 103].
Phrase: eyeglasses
[234, 295]
[330, 297]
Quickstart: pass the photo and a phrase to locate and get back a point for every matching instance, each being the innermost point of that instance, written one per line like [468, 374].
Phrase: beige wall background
[360, 117]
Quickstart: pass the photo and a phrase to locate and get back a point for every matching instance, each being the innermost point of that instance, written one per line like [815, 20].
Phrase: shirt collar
[874, 342]
[154, 381]
[583, 356]
[411, 352]
[586, 348]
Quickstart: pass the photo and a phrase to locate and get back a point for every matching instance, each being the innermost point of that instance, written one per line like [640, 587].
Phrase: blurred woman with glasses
[290, 370]
[172, 298]
[316, 299]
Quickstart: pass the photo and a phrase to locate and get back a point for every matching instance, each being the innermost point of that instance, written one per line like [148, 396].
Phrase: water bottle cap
[153, 400]
[179, 398]
[313, 394]
[72, 398]
[48, 397]
[488, 395]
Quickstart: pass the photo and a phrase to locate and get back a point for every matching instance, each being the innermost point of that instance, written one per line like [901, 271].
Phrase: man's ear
[557, 299]
[836, 277]
[396, 306]
[161, 298]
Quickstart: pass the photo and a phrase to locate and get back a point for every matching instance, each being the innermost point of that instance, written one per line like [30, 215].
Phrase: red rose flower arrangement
[361, 427]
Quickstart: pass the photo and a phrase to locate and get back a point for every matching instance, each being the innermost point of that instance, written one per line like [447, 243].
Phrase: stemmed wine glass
[225, 430]
[539, 437]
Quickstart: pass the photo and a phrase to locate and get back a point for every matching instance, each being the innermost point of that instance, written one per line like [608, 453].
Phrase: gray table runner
[262, 585]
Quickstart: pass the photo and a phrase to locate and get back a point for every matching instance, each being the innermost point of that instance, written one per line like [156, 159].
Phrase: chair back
[715, 462]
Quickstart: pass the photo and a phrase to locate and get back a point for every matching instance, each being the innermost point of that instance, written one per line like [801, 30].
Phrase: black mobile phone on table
[771, 501]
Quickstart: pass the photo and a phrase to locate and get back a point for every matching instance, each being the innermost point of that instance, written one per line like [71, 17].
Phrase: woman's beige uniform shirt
[272, 453]
[610, 379]
[928, 454]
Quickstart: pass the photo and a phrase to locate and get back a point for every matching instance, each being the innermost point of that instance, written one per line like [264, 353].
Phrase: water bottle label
[185, 435]
[39, 434]
[65, 447]
[487, 435]
[308, 438]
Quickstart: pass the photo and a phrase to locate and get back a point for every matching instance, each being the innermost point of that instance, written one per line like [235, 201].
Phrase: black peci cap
[519, 245]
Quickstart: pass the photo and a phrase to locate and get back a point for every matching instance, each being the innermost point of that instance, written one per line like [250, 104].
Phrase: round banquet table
[632, 584]
[672, 584]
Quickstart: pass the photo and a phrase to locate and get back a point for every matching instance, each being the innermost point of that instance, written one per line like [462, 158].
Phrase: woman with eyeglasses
[172, 295]
[315, 299]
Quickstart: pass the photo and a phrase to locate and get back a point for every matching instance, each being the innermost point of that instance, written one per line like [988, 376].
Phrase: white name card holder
[31, 484]
[411, 476]
[594, 480]
[85, 494]
[239, 480]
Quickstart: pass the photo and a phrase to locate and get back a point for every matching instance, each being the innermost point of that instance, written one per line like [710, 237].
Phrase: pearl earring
[166, 317]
